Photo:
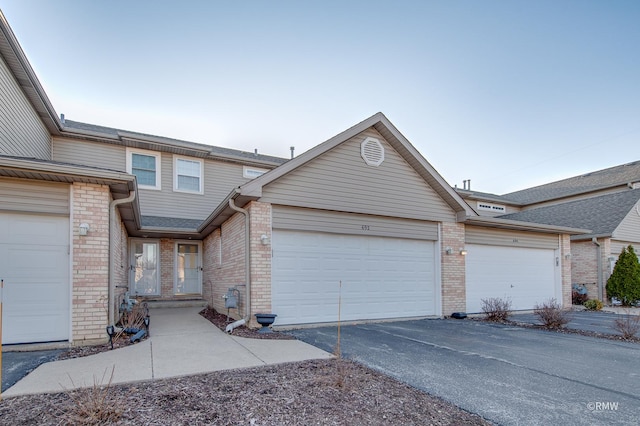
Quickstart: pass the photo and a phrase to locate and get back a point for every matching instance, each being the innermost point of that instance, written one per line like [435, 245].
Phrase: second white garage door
[526, 276]
[381, 277]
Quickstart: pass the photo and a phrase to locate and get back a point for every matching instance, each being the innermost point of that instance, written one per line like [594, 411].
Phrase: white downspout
[112, 214]
[594, 240]
[247, 262]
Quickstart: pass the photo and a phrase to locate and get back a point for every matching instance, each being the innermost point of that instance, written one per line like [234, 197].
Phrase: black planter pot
[265, 320]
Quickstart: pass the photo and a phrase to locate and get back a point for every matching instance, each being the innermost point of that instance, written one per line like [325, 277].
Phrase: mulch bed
[323, 392]
[220, 321]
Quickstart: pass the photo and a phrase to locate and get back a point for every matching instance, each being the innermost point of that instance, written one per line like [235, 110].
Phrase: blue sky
[509, 94]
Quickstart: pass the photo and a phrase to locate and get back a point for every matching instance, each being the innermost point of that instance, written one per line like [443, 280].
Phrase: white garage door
[524, 275]
[34, 265]
[381, 277]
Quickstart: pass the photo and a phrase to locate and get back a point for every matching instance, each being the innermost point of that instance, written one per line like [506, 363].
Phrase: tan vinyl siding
[34, 196]
[219, 179]
[500, 237]
[340, 180]
[617, 246]
[300, 219]
[22, 133]
[629, 228]
[87, 153]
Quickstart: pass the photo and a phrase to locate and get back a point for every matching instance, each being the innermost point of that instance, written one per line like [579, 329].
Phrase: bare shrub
[97, 405]
[551, 314]
[133, 319]
[628, 325]
[593, 305]
[496, 309]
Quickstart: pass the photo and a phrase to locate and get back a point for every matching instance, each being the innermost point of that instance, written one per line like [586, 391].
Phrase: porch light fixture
[448, 250]
[463, 252]
[83, 229]
[264, 239]
[567, 256]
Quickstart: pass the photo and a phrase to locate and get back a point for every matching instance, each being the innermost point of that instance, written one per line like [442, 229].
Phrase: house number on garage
[365, 227]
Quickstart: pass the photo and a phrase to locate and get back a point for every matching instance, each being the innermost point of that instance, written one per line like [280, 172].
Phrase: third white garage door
[381, 277]
[526, 276]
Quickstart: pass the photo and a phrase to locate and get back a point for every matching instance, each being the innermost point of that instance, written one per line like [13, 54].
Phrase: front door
[188, 278]
[145, 268]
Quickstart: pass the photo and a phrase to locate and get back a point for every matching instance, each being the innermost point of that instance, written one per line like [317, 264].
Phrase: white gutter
[112, 214]
[247, 263]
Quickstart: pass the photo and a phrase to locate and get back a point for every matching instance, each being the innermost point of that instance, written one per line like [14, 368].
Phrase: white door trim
[132, 268]
[176, 269]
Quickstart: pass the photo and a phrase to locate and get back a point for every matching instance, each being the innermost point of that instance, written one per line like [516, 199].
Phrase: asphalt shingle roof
[613, 176]
[601, 215]
[169, 222]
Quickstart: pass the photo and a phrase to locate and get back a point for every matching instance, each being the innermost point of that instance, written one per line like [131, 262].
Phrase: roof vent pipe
[255, 152]
[62, 118]
[293, 148]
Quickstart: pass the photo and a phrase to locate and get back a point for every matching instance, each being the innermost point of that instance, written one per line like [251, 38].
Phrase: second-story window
[187, 175]
[145, 165]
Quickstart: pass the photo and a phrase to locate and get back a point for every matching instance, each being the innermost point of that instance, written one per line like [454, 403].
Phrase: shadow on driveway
[507, 374]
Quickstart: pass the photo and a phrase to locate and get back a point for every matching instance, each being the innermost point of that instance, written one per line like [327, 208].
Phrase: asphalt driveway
[509, 375]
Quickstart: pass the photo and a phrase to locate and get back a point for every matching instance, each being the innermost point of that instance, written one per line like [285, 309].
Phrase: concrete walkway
[182, 343]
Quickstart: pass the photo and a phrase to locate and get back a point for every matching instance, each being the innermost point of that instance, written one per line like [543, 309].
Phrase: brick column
[565, 249]
[90, 263]
[260, 214]
[453, 268]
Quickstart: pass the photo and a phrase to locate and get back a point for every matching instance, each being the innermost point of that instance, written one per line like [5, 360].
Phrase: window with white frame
[187, 175]
[145, 165]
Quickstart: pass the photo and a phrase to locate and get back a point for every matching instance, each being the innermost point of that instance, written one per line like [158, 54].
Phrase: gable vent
[372, 151]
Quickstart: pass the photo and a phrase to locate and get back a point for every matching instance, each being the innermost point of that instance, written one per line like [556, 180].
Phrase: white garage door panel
[526, 276]
[381, 277]
[34, 264]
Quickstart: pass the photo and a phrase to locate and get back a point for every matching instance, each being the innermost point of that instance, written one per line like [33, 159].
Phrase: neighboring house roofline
[26, 77]
[76, 129]
[601, 215]
[394, 138]
[485, 196]
[623, 175]
[494, 222]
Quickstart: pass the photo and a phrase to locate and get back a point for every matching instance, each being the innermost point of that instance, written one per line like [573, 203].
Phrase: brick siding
[90, 274]
[454, 297]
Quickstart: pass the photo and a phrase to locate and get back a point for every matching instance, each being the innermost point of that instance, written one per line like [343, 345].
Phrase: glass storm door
[145, 271]
[188, 270]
